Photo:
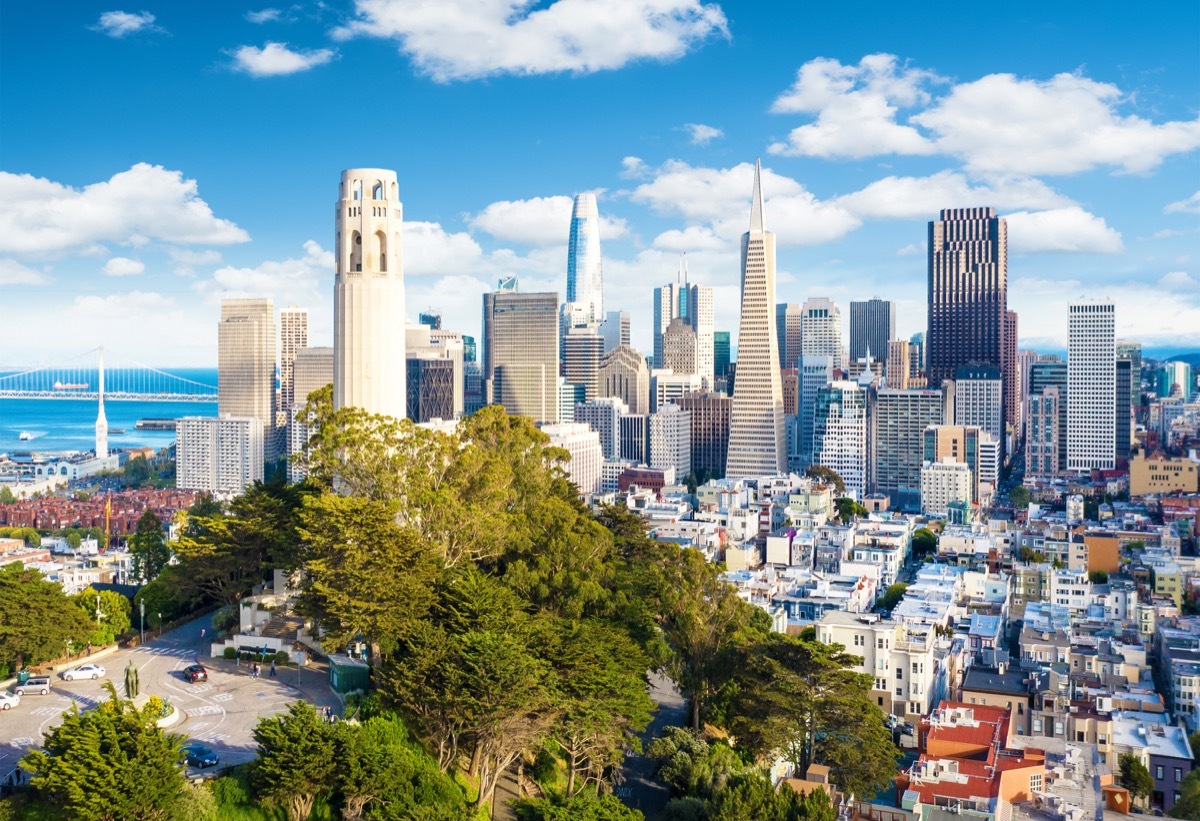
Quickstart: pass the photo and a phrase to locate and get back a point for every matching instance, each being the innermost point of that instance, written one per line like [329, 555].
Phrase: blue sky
[157, 157]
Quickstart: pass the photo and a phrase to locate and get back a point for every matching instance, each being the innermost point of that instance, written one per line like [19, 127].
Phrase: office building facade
[757, 441]
[623, 373]
[1091, 386]
[840, 434]
[787, 330]
[671, 439]
[520, 353]
[979, 399]
[246, 365]
[898, 419]
[585, 277]
[821, 331]
[710, 430]
[221, 455]
[872, 327]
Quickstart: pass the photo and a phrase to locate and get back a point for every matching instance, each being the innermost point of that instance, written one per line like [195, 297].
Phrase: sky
[157, 157]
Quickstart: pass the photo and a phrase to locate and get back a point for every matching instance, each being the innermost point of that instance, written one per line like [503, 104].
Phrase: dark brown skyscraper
[1011, 369]
[968, 290]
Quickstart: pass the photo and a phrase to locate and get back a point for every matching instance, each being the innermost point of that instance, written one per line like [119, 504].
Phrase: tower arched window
[356, 253]
[357, 189]
[377, 191]
[381, 249]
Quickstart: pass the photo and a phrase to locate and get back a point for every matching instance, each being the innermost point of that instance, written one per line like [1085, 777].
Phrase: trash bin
[23, 676]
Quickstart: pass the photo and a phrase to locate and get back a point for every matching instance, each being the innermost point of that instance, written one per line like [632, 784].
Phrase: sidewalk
[311, 681]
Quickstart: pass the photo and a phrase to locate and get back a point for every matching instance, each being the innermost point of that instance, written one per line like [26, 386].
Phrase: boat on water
[70, 386]
[25, 436]
[115, 431]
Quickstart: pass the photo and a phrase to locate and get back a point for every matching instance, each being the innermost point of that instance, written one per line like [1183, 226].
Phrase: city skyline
[137, 238]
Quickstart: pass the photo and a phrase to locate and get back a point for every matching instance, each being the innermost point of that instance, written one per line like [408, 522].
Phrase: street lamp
[142, 608]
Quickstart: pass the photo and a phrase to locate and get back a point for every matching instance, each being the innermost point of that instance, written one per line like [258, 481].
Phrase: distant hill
[1192, 359]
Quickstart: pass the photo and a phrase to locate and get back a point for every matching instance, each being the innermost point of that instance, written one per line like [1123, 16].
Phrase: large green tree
[1135, 777]
[583, 807]
[891, 597]
[148, 549]
[924, 542]
[800, 698]
[107, 610]
[109, 764]
[1188, 805]
[297, 760]
[37, 620]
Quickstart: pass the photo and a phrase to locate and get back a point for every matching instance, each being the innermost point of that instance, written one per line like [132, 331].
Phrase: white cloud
[997, 124]
[923, 197]
[430, 250]
[692, 238]
[188, 256]
[276, 59]
[1061, 229]
[14, 273]
[1181, 280]
[721, 198]
[147, 202]
[123, 267]
[1063, 125]
[538, 221]
[1191, 205]
[856, 108]
[702, 134]
[633, 168]
[912, 249]
[285, 280]
[263, 16]
[120, 23]
[468, 39]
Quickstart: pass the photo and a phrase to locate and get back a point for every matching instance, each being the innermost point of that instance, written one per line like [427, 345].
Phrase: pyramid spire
[756, 200]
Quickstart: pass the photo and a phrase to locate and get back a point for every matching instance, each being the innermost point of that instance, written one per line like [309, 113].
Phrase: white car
[9, 700]
[92, 671]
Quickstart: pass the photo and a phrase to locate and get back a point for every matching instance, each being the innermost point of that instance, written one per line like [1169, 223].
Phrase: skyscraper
[680, 347]
[900, 355]
[520, 353]
[582, 350]
[840, 433]
[710, 430]
[787, 329]
[898, 419]
[979, 399]
[968, 290]
[693, 304]
[757, 441]
[221, 454]
[1132, 351]
[815, 373]
[431, 386]
[1011, 371]
[1042, 445]
[246, 364]
[623, 373]
[585, 281]
[1091, 386]
[293, 335]
[615, 330]
[368, 294]
[872, 327]
[720, 354]
[1043, 376]
[821, 332]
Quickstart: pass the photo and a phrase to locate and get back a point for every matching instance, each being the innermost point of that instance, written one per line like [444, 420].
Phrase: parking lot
[220, 713]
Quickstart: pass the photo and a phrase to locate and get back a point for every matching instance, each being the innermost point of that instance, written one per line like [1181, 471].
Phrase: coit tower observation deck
[368, 294]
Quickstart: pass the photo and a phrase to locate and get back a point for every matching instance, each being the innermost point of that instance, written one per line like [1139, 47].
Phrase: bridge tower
[368, 295]
[101, 421]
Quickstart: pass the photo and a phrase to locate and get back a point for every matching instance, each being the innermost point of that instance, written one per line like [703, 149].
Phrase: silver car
[92, 671]
[9, 700]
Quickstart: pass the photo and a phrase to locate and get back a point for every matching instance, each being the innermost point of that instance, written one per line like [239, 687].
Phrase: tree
[113, 617]
[138, 472]
[702, 617]
[1194, 743]
[297, 760]
[1098, 576]
[891, 597]
[109, 764]
[601, 676]
[801, 699]
[1188, 805]
[369, 577]
[924, 542]
[689, 765]
[1018, 497]
[848, 509]
[583, 807]
[6, 495]
[1135, 777]
[37, 620]
[828, 476]
[148, 549]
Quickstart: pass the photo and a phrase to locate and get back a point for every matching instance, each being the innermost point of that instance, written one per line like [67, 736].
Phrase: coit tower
[368, 294]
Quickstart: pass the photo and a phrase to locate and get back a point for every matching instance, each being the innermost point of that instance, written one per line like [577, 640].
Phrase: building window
[1158, 773]
[1178, 774]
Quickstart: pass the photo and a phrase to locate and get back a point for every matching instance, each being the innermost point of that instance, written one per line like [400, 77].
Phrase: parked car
[195, 672]
[9, 700]
[34, 684]
[197, 755]
[92, 671]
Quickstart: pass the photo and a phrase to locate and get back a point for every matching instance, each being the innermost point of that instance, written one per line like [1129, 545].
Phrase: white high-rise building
[218, 454]
[840, 434]
[694, 305]
[615, 330]
[979, 399]
[585, 279]
[603, 415]
[520, 353]
[667, 386]
[671, 439]
[815, 373]
[368, 294]
[1091, 386]
[583, 444]
[293, 335]
[757, 441]
[821, 332]
[246, 364]
[942, 483]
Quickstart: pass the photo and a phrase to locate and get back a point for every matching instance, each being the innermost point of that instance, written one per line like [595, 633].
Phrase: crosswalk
[175, 652]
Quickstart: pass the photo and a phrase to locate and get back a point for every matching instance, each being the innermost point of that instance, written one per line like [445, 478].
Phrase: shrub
[230, 653]
[282, 657]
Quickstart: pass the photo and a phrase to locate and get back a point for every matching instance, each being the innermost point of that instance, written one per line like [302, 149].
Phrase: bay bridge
[82, 376]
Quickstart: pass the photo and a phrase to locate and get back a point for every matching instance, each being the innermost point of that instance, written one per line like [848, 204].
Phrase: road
[638, 789]
[221, 713]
